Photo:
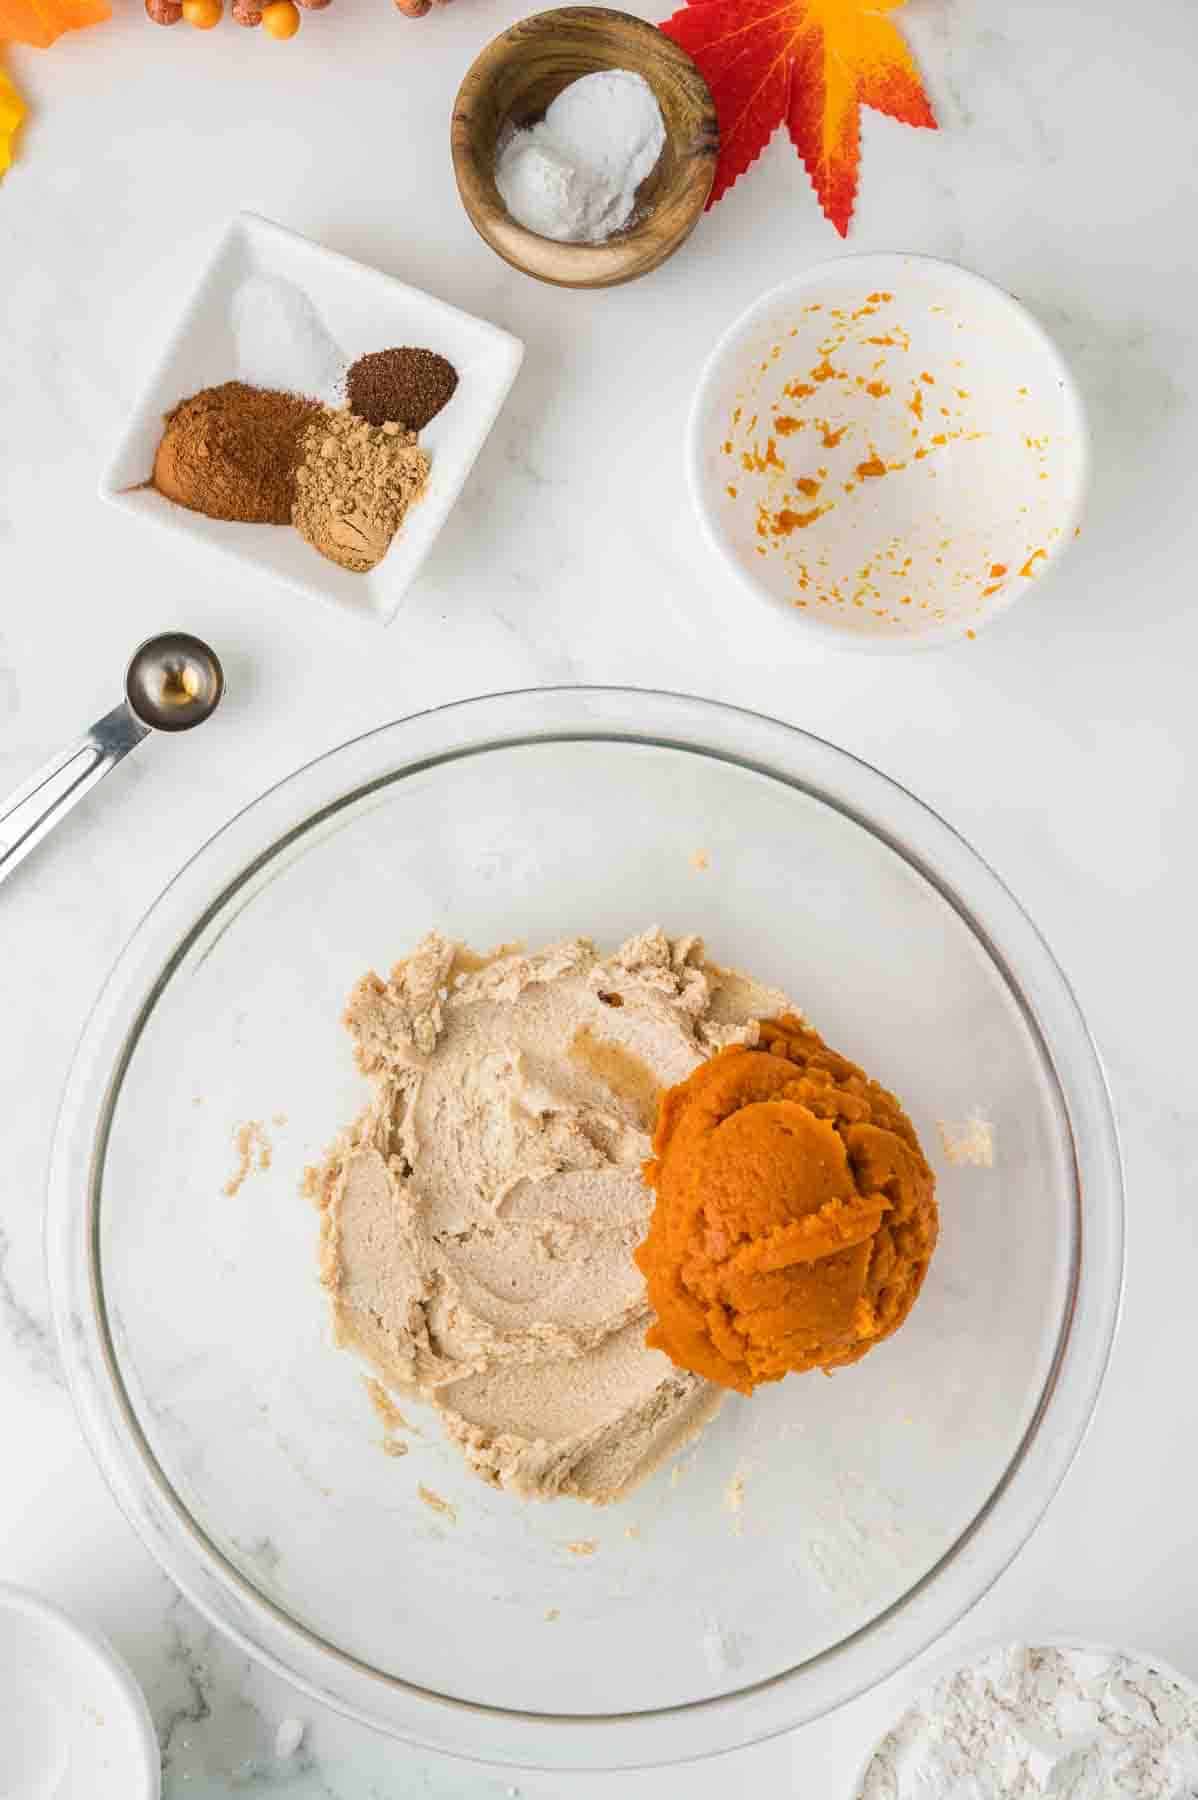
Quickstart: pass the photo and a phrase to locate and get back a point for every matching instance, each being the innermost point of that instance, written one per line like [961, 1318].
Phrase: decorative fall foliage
[40, 22]
[12, 111]
[808, 64]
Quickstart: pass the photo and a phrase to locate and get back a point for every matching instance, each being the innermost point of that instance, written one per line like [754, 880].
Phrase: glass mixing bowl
[817, 1536]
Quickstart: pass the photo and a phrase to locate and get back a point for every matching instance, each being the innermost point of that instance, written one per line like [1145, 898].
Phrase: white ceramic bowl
[889, 447]
[361, 310]
[949, 1666]
[73, 1722]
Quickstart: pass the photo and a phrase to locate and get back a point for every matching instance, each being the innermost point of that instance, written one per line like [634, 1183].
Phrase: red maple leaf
[812, 64]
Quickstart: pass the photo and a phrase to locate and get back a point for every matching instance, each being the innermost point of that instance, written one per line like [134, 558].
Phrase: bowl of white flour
[1067, 1720]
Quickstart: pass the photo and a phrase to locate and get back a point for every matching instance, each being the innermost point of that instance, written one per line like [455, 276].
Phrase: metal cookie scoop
[173, 682]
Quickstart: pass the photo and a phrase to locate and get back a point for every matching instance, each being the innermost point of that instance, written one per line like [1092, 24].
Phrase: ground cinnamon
[231, 452]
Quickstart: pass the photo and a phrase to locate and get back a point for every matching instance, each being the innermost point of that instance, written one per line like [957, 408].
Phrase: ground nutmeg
[400, 387]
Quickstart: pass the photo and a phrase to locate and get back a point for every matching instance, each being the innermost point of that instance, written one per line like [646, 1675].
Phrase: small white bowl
[945, 1668]
[75, 1724]
[361, 310]
[890, 447]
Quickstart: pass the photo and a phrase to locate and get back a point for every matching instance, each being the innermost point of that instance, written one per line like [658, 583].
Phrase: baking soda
[574, 177]
[282, 341]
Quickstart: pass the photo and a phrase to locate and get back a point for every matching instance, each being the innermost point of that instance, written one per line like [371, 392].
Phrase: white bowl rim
[21, 1602]
[876, 267]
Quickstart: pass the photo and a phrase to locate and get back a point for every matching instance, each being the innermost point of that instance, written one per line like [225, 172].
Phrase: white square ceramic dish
[362, 310]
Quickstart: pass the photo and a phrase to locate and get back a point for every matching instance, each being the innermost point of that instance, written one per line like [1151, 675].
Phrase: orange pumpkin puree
[795, 1213]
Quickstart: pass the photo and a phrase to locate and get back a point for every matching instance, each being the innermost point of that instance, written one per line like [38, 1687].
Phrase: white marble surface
[1063, 742]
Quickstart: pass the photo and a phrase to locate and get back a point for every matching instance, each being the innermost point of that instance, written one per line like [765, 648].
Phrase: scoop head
[174, 681]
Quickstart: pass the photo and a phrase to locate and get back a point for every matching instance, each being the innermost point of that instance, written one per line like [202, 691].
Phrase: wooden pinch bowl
[516, 78]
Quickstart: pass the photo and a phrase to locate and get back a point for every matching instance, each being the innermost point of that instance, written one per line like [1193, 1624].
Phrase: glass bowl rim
[685, 1730]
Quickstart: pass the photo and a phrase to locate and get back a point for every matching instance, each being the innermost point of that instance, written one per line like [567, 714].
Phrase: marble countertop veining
[1064, 742]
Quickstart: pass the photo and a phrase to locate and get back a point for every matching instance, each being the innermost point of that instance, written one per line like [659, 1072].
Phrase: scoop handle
[36, 807]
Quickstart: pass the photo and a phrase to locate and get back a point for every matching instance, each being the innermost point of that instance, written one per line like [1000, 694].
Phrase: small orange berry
[280, 19]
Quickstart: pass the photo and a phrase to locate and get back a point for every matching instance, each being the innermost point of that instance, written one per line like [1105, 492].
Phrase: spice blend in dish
[478, 1220]
[231, 451]
[402, 387]
[795, 1214]
[254, 455]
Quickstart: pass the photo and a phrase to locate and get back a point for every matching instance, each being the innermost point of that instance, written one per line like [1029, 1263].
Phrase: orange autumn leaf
[12, 112]
[808, 64]
[39, 22]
